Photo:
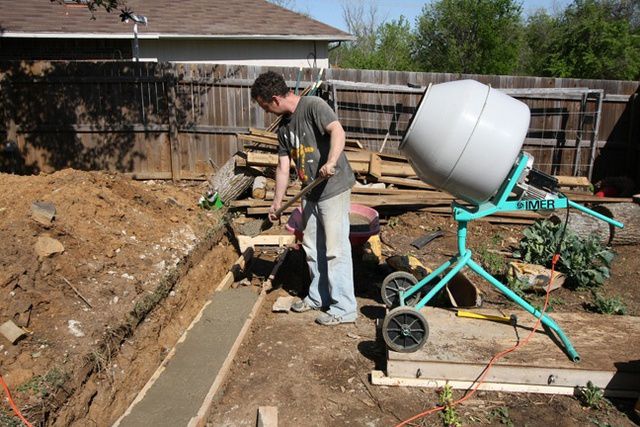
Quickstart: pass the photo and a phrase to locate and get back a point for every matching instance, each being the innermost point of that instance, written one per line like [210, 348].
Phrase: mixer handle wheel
[393, 284]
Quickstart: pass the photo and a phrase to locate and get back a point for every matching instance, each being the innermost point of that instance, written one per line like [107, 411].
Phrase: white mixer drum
[465, 137]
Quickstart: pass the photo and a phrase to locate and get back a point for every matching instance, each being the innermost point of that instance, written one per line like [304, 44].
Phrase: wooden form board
[235, 269]
[265, 240]
[458, 349]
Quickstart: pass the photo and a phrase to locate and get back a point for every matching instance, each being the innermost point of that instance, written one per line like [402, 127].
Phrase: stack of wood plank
[385, 181]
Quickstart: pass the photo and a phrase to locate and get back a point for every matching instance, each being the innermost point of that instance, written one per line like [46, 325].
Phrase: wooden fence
[167, 121]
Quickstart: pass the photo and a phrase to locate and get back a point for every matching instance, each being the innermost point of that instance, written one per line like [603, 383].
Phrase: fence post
[174, 142]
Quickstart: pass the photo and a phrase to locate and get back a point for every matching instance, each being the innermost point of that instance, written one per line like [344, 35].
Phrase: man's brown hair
[267, 85]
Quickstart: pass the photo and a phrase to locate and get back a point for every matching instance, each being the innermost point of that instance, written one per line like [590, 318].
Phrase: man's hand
[327, 170]
[272, 211]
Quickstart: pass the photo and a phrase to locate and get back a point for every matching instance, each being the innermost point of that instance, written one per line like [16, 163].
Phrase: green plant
[491, 261]
[393, 222]
[517, 285]
[496, 239]
[449, 415]
[591, 396]
[613, 305]
[585, 261]
[44, 385]
[9, 420]
[599, 423]
[501, 413]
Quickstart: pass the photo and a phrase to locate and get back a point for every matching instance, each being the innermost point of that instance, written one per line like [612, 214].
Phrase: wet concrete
[179, 392]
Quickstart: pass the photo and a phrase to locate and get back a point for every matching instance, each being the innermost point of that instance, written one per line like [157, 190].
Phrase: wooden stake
[77, 292]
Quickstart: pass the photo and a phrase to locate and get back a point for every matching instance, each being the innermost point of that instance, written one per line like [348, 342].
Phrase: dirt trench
[115, 382]
[136, 261]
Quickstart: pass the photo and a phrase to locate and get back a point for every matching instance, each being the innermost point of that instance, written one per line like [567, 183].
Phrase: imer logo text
[535, 205]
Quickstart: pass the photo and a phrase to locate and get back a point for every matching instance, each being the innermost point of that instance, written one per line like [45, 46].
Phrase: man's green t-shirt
[302, 137]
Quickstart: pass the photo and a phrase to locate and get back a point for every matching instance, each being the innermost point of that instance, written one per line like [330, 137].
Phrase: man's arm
[282, 181]
[337, 134]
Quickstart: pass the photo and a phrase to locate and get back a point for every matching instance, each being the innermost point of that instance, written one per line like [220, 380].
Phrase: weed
[613, 305]
[44, 385]
[393, 222]
[449, 415]
[9, 420]
[517, 285]
[599, 423]
[591, 396]
[496, 239]
[501, 413]
[556, 301]
[492, 262]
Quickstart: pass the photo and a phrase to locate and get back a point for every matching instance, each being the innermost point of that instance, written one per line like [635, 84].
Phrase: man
[312, 136]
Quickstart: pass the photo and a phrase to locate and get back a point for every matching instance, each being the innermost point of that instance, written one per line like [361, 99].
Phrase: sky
[330, 11]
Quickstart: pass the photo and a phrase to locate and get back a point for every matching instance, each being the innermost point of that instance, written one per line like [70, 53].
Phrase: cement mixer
[465, 138]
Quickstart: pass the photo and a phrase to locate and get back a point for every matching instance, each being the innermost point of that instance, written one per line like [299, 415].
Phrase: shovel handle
[302, 192]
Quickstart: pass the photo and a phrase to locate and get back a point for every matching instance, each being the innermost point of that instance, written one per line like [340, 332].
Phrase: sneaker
[327, 319]
[301, 306]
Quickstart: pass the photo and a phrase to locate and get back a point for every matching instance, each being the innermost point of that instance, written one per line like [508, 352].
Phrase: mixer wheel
[393, 284]
[405, 330]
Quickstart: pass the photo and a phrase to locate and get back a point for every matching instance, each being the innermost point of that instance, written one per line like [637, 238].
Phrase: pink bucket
[357, 236]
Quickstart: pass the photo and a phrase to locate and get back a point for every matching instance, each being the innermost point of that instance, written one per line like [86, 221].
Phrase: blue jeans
[328, 250]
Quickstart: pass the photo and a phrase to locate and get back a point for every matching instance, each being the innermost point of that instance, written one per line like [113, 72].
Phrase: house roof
[170, 19]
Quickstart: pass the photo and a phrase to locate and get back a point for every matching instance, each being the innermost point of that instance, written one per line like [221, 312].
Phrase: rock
[43, 212]
[47, 246]
[11, 331]
[282, 304]
[74, 328]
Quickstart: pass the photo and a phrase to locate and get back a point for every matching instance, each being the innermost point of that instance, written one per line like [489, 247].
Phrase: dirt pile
[96, 266]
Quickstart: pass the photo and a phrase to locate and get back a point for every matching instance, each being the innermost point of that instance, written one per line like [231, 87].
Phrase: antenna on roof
[128, 15]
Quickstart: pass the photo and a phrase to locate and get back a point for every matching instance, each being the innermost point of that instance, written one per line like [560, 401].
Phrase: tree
[108, 5]
[596, 40]
[470, 36]
[287, 4]
[395, 45]
[541, 34]
[388, 48]
[384, 46]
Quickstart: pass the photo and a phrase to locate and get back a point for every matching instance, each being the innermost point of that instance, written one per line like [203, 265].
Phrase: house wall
[58, 49]
[282, 53]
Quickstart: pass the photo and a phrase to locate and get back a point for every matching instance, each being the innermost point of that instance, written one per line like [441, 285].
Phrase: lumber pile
[385, 181]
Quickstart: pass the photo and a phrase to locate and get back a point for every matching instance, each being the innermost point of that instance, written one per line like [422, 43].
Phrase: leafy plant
[44, 385]
[599, 423]
[393, 222]
[501, 413]
[585, 261]
[517, 285]
[492, 262]
[591, 396]
[604, 305]
[9, 420]
[449, 415]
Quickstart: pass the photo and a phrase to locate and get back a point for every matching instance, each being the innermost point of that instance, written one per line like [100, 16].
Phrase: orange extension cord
[12, 403]
[498, 356]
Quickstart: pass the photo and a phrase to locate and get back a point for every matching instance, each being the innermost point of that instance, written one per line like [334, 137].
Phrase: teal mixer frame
[400, 324]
